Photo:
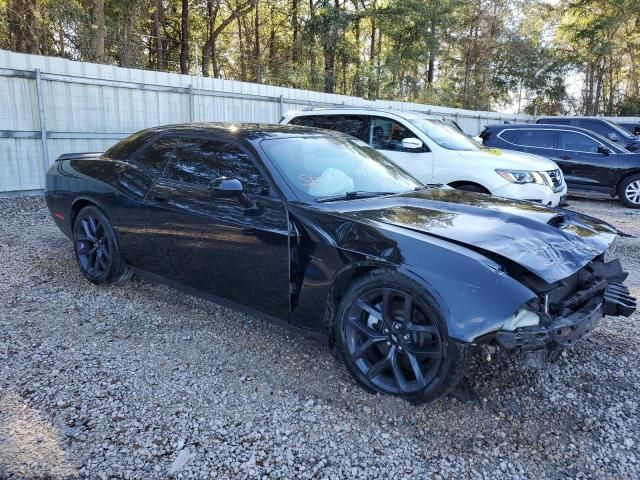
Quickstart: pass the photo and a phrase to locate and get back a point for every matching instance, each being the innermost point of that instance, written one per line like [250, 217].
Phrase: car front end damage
[565, 312]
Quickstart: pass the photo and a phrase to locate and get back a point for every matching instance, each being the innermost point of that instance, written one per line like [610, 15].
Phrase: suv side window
[599, 127]
[508, 135]
[387, 134]
[354, 125]
[576, 142]
[307, 121]
[557, 121]
[535, 138]
[199, 160]
[155, 157]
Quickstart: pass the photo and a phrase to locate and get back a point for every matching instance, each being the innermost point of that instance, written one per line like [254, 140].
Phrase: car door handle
[565, 157]
[158, 197]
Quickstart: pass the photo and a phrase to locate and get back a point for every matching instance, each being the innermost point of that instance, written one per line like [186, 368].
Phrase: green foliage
[476, 54]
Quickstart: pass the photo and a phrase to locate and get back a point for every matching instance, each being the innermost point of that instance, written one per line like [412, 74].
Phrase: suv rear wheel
[629, 191]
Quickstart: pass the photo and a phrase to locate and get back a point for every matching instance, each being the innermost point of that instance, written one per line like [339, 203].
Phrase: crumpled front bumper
[537, 344]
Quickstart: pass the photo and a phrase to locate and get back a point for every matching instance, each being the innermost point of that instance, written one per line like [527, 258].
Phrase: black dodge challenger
[317, 231]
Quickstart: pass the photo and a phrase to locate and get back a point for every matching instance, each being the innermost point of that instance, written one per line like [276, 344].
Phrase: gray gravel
[142, 381]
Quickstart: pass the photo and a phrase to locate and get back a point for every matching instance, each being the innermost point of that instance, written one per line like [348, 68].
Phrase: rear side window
[577, 142]
[536, 138]
[530, 138]
[598, 127]
[557, 121]
[124, 149]
[508, 136]
[354, 125]
[197, 161]
[306, 121]
[156, 156]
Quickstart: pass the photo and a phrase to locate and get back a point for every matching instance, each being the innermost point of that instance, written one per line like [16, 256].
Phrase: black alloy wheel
[96, 248]
[392, 338]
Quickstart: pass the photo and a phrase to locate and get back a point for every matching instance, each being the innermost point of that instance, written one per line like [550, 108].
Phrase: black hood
[551, 243]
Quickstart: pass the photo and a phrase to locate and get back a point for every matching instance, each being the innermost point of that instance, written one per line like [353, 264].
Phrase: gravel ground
[142, 381]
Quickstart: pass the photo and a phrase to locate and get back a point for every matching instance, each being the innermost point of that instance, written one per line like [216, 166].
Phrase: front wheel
[629, 191]
[393, 338]
[96, 248]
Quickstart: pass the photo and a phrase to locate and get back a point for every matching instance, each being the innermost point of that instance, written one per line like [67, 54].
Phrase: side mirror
[411, 143]
[224, 187]
[604, 151]
[613, 137]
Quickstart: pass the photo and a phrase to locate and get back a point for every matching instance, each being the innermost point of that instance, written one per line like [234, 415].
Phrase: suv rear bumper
[539, 343]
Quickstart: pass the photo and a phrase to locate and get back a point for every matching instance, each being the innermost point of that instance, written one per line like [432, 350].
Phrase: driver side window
[387, 134]
[577, 142]
[200, 160]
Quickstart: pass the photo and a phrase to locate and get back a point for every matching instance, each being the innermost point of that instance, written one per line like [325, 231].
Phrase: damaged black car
[317, 231]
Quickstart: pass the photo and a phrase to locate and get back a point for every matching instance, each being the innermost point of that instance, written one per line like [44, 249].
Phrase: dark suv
[601, 126]
[589, 162]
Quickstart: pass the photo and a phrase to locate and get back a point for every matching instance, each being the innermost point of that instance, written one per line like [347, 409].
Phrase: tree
[184, 38]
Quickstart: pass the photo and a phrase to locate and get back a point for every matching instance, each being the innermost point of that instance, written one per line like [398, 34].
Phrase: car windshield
[445, 135]
[619, 130]
[612, 145]
[319, 167]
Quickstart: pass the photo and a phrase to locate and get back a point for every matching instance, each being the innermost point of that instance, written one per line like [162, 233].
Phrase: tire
[389, 354]
[629, 191]
[470, 187]
[96, 248]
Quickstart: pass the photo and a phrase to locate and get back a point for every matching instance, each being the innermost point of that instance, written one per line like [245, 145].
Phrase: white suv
[436, 153]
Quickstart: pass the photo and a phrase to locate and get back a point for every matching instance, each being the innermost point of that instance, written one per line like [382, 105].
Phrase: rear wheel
[96, 249]
[393, 339]
[629, 191]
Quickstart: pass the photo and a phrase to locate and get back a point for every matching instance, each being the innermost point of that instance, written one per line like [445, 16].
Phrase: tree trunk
[312, 57]
[294, 27]
[243, 70]
[634, 86]
[256, 48]
[358, 89]
[98, 31]
[158, 18]
[184, 38]
[432, 55]
[23, 26]
[273, 61]
[209, 51]
[378, 64]
[372, 55]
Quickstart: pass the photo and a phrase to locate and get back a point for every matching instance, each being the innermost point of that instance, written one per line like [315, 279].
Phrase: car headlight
[522, 176]
[611, 253]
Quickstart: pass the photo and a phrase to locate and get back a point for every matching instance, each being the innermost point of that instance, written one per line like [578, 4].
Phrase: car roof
[242, 131]
[560, 117]
[407, 114]
[539, 126]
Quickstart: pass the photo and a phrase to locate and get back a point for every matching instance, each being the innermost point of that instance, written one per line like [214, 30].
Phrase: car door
[217, 245]
[386, 135]
[583, 161]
